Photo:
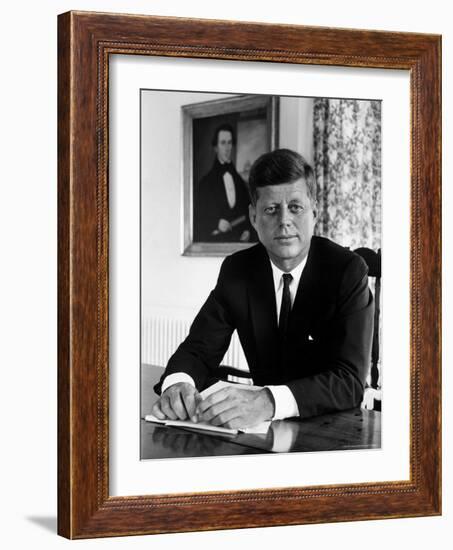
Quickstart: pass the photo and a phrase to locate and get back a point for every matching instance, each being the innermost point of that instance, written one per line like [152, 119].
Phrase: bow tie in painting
[226, 167]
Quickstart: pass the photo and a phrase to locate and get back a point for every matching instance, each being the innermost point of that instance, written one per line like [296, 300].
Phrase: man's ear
[315, 210]
[252, 215]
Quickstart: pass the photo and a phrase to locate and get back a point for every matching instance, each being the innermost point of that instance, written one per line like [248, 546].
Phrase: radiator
[162, 335]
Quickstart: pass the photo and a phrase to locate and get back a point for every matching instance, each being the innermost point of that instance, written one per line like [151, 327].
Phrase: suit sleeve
[208, 339]
[346, 343]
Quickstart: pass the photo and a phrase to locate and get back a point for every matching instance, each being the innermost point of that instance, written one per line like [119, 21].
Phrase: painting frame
[217, 109]
[85, 507]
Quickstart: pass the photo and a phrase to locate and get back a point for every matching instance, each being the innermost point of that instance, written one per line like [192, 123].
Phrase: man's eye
[270, 210]
[296, 208]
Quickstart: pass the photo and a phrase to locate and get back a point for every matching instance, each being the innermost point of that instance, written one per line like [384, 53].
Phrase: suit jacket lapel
[305, 301]
[263, 311]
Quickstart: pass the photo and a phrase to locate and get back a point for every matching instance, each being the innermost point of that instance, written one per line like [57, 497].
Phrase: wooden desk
[159, 441]
[346, 430]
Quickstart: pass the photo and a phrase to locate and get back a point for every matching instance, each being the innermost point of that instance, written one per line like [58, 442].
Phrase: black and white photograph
[260, 274]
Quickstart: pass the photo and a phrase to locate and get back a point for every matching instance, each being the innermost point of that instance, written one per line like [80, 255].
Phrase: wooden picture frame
[214, 113]
[85, 508]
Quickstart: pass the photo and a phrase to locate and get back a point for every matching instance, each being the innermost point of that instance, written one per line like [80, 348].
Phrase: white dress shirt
[285, 403]
[230, 189]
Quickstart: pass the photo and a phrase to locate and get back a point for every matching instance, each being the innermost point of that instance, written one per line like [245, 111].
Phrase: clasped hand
[229, 407]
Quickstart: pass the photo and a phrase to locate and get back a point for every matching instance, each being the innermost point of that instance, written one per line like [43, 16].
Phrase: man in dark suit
[301, 307]
[221, 205]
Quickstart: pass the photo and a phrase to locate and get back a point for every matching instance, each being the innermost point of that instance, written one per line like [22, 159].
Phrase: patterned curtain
[347, 159]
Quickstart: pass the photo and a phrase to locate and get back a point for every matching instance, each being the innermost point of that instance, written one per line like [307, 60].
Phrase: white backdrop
[28, 275]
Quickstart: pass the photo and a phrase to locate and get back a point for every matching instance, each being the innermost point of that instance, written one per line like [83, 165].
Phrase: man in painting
[221, 208]
[301, 307]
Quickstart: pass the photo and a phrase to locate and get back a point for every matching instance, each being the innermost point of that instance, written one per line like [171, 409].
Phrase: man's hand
[224, 226]
[236, 408]
[178, 402]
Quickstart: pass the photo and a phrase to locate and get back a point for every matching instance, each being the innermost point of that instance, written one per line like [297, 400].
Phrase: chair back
[373, 261]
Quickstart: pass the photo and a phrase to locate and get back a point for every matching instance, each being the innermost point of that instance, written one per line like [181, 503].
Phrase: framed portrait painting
[169, 189]
[223, 132]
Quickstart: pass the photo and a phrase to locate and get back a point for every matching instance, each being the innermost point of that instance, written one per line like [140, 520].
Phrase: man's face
[284, 218]
[224, 146]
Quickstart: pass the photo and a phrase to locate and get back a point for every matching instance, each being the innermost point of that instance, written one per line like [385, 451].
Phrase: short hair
[279, 167]
[225, 128]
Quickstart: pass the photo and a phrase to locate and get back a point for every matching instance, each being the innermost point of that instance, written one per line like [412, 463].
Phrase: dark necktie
[285, 307]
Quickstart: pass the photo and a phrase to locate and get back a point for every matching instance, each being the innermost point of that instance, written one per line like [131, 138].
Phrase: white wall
[28, 273]
[296, 125]
[169, 280]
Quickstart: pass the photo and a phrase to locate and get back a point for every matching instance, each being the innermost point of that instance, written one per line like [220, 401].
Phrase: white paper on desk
[258, 429]
[190, 424]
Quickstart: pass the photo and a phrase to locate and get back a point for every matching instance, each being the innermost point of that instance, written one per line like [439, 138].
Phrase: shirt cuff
[285, 403]
[175, 378]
